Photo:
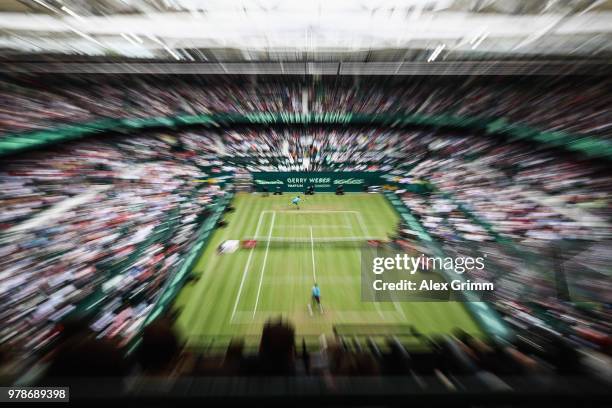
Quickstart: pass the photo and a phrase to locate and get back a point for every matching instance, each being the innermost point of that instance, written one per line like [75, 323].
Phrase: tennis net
[283, 242]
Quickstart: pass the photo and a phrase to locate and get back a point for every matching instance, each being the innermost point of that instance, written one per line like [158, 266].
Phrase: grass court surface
[236, 293]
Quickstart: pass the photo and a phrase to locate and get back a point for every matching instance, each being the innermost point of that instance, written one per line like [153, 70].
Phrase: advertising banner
[352, 181]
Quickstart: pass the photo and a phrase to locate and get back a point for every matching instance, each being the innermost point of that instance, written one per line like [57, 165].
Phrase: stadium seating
[559, 105]
[130, 214]
[133, 206]
[129, 247]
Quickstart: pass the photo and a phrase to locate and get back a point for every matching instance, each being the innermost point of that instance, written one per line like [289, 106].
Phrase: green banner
[592, 146]
[352, 181]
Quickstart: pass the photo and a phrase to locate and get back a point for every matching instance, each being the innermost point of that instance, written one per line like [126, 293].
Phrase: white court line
[364, 229]
[379, 310]
[246, 267]
[263, 267]
[263, 316]
[323, 341]
[363, 224]
[307, 280]
[312, 226]
[348, 222]
[309, 211]
[398, 307]
[352, 314]
[314, 269]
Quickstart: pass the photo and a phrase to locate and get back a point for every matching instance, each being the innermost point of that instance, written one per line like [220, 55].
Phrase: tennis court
[321, 242]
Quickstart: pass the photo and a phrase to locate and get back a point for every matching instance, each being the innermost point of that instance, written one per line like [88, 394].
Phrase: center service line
[314, 269]
[263, 267]
[246, 267]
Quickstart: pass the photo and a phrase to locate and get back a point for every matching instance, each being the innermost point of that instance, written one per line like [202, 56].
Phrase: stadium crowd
[93, 217]
[95, 223]
[533, 213]
[313, 149]
[101, 225]
[33, 102]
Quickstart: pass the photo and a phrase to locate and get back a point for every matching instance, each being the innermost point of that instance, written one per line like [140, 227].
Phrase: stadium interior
[178, 176]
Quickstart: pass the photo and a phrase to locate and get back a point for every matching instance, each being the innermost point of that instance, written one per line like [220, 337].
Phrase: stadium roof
[314, 30]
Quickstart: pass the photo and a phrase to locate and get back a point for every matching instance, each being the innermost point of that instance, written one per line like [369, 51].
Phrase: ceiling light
[73, 14]
[436, 52]
[479, 40]
[135, 37]
[82, 34]
[42, 3]
[131, 41]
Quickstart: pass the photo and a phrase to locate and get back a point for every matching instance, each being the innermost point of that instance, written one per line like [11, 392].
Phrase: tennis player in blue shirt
[316, 296]
[296, 201]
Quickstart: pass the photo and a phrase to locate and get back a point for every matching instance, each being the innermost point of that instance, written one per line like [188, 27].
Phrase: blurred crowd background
[578, 105]
[91, 230]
